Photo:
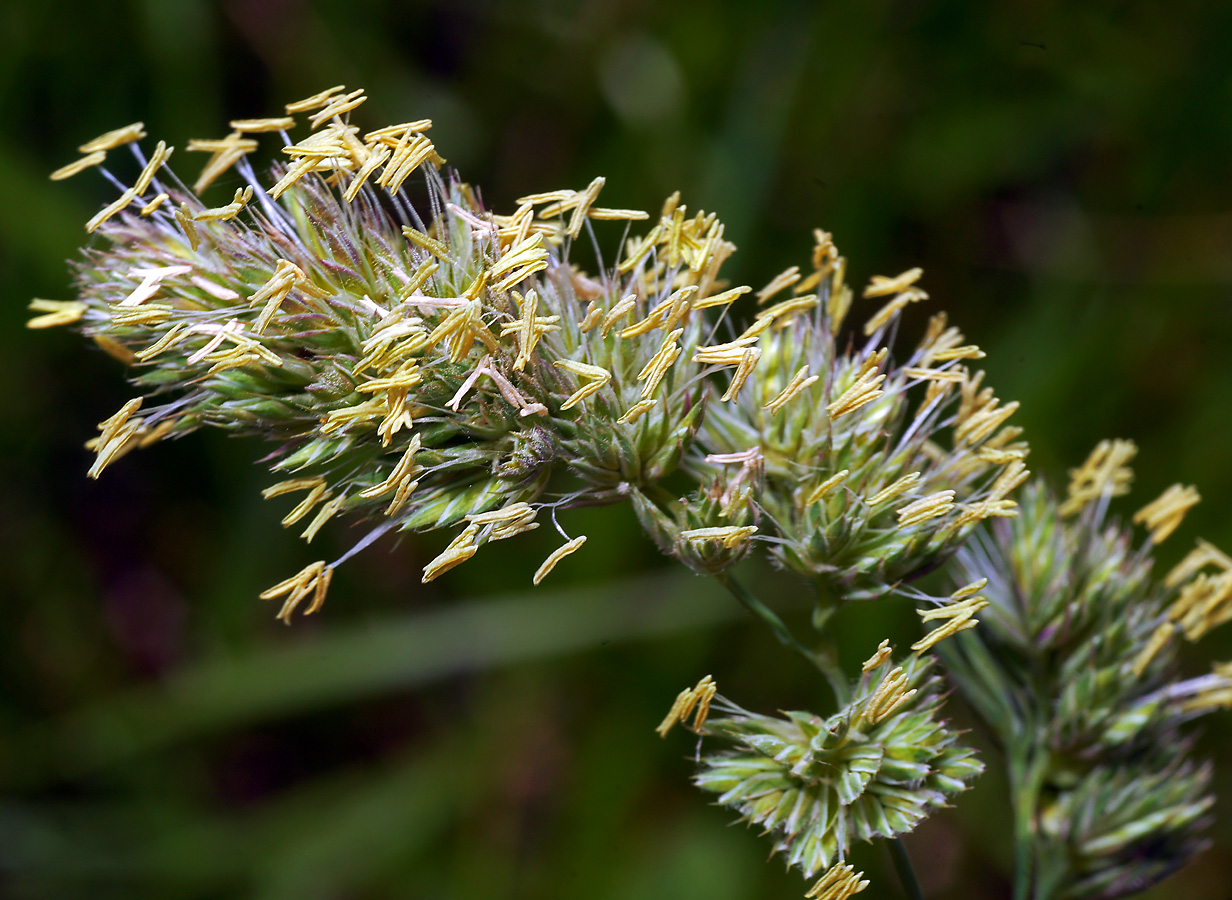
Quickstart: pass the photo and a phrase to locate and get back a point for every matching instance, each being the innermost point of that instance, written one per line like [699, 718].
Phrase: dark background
[1060, 170]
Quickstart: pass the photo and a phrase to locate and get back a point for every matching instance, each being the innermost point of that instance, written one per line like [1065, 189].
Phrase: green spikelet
[875, 769]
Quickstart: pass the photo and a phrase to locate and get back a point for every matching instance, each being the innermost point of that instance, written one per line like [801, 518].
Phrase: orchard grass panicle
[421, 362]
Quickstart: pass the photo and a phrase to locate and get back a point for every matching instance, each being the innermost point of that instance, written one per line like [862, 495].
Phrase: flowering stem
[824, 659]
[1026, 773]
[902, 865]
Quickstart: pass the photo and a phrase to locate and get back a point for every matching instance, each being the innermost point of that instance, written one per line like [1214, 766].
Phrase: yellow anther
[112, 139]
[800, 382]
[748, 362]
[315, 101]
[882, 286]
[1165, 513]
[55, 312]
[1105, 472]
[556, 556]
[780, 282]
[730, 536]
[80, 165]
[884, 652]
[838, 883]
[926, 508]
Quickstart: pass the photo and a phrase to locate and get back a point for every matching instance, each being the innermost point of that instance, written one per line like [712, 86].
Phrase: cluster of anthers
[1199, 586]
[459, 370]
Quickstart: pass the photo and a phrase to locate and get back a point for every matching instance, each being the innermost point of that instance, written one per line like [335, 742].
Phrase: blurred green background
[1060, 170]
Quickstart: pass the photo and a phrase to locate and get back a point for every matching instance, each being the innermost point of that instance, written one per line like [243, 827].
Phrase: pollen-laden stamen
[959, 618]
[800, 382]
[730, 536]
[748, 362]
[79, 165]
[886, 314]
[330, 148]
[376, 158]
[460, 549]
[258, 126]
[287, 277]
[461, 328]
[983, 421]
[603, 214]
[505, 514]
[723, 298]
[519, 262]
[967, 351]
[822, 490]
[637, 250]
[184, 217]
[678, 306]
[529, 328]
[1164, 514]
[116, 435]
[585, 200]
[315, 101]
[430, 244]
[327, 511]
[888, 696]
[1203, 604]
[507, 529]
[890, 491]
[119, 137]
[401, 473]
[111, 209]
[291, 485]
[596, 378]
[316, 493]
[55, 312]
[699, 697]
[838, 883]
[1159, 639]
[226, 152]
[621, 309]
[159, 200]
[865, 389]
[884, 652]
[728, 354]
[926, 508]
[1105, 472]
[158, 159]
[785, 309]
[882, 286]
[778, 284]
[637, 410]
[556, 556]
[655, 370]
[408, 156]
[230, 210]
[336, 106]
[391, 135]
[312, 579]
[1205, 554]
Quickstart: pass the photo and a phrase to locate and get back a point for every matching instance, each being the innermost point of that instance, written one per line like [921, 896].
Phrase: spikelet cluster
[875, 769]
[422, 362]
[1074, 671]
[870, 469]
[419, 365]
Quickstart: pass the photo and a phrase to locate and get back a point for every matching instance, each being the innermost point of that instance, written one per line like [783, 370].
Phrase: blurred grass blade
[340, 665]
